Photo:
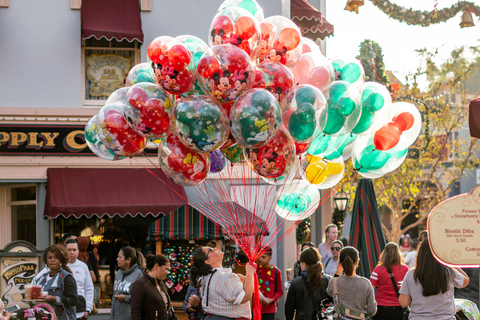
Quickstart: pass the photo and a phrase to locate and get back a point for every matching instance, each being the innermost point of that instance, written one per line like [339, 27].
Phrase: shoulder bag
[405, 311]
[342, 312]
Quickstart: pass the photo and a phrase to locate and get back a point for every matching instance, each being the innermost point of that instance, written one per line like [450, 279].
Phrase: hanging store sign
[454, 230]
[106, 73]
[59, 140]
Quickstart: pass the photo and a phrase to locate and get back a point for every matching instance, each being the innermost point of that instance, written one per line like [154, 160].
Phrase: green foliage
[371, 58]
[303, 231]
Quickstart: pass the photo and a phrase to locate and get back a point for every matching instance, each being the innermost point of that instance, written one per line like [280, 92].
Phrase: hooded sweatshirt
[122, 285]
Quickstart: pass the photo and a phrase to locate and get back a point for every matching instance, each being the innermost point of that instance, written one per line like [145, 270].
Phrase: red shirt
[386, 295]
[270, 286]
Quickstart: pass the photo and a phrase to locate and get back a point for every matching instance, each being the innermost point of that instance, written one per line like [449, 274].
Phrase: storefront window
[23, 209]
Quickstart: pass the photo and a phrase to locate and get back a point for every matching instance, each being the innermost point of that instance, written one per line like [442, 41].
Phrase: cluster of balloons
[258, 93]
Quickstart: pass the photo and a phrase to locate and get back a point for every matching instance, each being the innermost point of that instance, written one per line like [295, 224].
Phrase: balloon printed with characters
[274, 77]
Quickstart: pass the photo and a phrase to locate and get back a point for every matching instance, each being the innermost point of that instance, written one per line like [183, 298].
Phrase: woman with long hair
[312, 279]
[354, 292]
[58, 282]
[128, 272]
[224, 294]
[428, 289]
[150, 299]
[386, 296]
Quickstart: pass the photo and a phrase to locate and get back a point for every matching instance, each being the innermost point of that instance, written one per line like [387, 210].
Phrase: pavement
[103, 314]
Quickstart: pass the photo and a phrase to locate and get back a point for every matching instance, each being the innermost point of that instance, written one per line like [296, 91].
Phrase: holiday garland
[424, 18]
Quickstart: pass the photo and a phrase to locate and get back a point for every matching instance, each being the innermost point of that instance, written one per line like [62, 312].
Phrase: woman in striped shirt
[224, 295]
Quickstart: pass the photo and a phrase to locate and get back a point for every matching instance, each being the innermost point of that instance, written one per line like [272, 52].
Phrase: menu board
[454, 230]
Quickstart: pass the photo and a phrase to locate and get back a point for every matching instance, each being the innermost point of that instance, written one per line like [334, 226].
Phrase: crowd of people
[323, 276]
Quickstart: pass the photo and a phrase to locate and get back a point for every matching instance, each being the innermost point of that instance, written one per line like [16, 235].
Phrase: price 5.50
[461, 240]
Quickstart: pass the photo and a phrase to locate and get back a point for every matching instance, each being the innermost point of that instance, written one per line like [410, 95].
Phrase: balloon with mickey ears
[314, 69]
[200, 123]
[349, 70]
[224, 73]
[281, 41]
[142, 72]
[322, 173]
[402, 130]
[304, 113]
[251, 6]
[153, 105]
[95, 144]
[236, 26]
[181, 164]
[274, 159]
[234, 154]
[114, 128]
[287, 176]
[172, 64]
[276, 78]
[297, 200]
[255, 118]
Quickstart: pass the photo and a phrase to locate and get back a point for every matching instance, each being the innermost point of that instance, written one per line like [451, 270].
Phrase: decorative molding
[3, 3]
[146, 5]
[75, 4]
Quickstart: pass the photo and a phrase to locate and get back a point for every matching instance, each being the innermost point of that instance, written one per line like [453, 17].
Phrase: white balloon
[297, 200]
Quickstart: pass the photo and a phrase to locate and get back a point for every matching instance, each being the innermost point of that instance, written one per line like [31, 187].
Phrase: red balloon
[319, 77]
[278, 79]
[191, 164]
[387, 137]
[245, 28]
[302, 147]
[222, 28]
[127, 138]
[404, 121]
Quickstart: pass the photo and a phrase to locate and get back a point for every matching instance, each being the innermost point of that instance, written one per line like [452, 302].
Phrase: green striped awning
[185, 223]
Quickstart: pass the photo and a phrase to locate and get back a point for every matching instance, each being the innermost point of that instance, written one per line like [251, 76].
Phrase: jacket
[299, 304]
[122, 285]
[147, 302]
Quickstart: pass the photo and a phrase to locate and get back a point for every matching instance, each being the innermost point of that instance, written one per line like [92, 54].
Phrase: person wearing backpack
[270, 283]
[308, 292]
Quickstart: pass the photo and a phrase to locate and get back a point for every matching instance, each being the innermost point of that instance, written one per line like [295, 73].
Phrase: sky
[397, 40]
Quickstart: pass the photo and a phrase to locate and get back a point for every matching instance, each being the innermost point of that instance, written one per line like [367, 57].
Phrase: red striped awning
[119, 19]
[185, 223]
[310, 21]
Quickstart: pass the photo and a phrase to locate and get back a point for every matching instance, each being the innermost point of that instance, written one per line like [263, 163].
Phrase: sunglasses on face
[335, 248]
[210, 249]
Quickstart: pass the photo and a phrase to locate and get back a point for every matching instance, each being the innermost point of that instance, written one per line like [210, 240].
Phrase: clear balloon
[287, 176]
[142, 72]
[236, 26]
[376, 104]
[118, 96]
[95, 144]
[309, 46]
[197, 48]
[154, 108]
[251, 6]
[281, 41]
[234, 154]
[181, 164]
[344, 109]
[224, 73]
[349, 70]
[314, 69]
[114, 128]
[200, 123]
[321, 173]
[297, 200]
[276, 78]
[274, 159]
[255, 118]
[172, 64]
[304, 113]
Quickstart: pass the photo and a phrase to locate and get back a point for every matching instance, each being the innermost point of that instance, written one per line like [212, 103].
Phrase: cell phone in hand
[13, 308]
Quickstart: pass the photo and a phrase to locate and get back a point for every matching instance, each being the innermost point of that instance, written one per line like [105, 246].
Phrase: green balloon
[337, 91]
[365, 121]
[373, 101]
[371, 159]
[338, 151]
[144, 77]
[351, 72]
[305, 94]
[247, 122]
[397, 154]
[302, 123]
[234, 154]
[338, 65]
[248, 5]
[296, 203]
[262, 99]
[319, 145]
[346, 106]
[184, 114]
[335, 122]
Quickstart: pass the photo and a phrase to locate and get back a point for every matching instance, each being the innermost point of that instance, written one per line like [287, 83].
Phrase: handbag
[405, 311]
[324, 309]
[342, 312]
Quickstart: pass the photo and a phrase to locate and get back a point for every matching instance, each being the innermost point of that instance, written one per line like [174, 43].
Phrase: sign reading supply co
[454, 230]
[56, 140]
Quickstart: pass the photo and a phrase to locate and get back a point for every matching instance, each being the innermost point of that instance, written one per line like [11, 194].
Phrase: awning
[98, 192]
[185, 223]
[310, 20]
[474, 118]
[119, 19]
[189, 223]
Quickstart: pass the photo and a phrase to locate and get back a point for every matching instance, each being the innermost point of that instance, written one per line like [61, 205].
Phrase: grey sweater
[355, 293]
[122, 285]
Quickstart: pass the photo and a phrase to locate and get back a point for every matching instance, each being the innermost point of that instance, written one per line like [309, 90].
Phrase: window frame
[7, 218]
[86, 103]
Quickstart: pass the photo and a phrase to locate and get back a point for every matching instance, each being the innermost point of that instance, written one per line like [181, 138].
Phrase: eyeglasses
[335, 248]
[210, 249]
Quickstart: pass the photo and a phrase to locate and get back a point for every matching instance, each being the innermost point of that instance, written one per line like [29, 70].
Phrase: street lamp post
[341, 203]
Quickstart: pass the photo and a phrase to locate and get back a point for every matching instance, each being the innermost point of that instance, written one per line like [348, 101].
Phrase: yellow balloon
[312, 159]
[317, 173]
[335, 168]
